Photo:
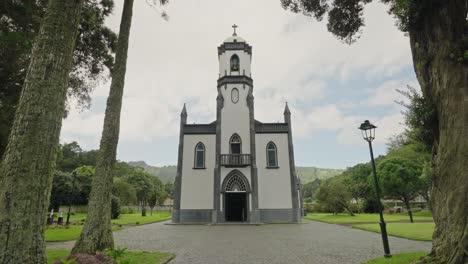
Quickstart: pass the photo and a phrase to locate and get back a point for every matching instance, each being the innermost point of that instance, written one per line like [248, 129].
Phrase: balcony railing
[235, 160]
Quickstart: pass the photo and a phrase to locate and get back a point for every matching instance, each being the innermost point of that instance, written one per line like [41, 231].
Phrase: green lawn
[415, 231]
[404, 258]
[361, 218]
[132, 219]
[72, 232]
[132, 257]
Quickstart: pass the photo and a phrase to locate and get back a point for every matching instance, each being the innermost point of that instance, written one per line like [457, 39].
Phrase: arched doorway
[236, 191]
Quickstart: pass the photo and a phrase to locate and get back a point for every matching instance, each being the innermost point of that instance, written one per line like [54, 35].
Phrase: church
[236, 168]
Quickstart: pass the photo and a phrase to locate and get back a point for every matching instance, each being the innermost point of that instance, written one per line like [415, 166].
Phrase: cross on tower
[234, 27]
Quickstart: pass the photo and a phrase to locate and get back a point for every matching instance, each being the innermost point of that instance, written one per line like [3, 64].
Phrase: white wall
[274, 185]
[235, 118]
[197, 184]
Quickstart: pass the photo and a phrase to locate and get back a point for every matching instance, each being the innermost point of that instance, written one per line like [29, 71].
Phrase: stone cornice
[235, 46]
[242, 79]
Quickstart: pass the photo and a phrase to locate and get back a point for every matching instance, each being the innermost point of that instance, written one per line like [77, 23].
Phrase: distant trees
[400, 179]
[335, 197]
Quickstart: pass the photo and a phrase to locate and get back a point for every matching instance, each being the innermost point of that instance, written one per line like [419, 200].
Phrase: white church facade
[236, 168]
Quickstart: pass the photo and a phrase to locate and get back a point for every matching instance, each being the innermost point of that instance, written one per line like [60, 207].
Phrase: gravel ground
[310, 242]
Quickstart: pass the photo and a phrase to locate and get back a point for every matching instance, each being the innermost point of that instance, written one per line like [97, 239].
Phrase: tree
[28, 163]
[426, 180]
[400, 179]
[97, 232]
[310, 189]
[439, 44]
[125, 191]
[334, 196]
[92, 57]
[143, 184]
[62, 187]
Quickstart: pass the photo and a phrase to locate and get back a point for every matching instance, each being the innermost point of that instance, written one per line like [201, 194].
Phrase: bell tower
[235, 125]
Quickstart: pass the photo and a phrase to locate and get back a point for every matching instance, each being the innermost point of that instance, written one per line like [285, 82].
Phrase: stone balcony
[235, 160]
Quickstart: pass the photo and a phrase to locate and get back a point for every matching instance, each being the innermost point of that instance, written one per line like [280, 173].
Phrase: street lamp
[368, 133]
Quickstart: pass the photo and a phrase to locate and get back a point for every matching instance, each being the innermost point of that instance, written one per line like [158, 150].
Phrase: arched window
[235, 63]
[272, 155]
[235, 144]
[235, 95]
[200, 156]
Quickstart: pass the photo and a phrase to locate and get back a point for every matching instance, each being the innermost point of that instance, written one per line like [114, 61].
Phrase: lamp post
[368, 133]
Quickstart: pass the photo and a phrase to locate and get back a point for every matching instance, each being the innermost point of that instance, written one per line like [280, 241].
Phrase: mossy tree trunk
[438, 43]
[28, 163]
[97, 232]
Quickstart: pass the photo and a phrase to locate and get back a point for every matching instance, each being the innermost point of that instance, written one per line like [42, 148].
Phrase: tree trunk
[408, 208]
[437, 47]
[97, 232]
[26, 170]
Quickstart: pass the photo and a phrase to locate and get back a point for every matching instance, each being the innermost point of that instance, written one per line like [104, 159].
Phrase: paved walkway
[311, 242]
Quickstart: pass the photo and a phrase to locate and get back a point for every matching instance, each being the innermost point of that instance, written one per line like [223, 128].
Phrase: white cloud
[294, 59]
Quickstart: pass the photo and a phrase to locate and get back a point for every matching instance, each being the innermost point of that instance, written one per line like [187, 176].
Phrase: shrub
[117, 253]
[127, 210]
[99, 258]
[115, 207]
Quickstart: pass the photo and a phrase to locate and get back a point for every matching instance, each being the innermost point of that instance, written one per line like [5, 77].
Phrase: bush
[99, 258]
[115, 207]
[127, 210]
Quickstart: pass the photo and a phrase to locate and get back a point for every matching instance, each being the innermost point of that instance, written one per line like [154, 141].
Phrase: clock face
[235, 95]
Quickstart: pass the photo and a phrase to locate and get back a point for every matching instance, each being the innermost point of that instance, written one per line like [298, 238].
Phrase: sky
[330, 87]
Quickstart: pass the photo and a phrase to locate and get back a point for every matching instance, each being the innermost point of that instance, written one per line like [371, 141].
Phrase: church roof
[234, 39]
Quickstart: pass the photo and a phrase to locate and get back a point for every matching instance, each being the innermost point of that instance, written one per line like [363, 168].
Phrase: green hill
[307, 174]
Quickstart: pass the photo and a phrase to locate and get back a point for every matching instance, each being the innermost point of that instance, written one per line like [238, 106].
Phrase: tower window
[235, 144]
[199, 156]
[235, 95]
[272, 155]
[235, 63]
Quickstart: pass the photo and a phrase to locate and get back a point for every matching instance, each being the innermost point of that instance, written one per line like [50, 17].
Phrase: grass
[72, 232]
[404, 258]
[132, 219]
[132, 257]
[361, 218]
[415, 231]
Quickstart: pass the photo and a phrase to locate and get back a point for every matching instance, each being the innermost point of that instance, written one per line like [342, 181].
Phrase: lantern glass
[368, 131]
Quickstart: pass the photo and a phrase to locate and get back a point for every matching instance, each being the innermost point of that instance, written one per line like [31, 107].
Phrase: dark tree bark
[438, 42]
[97, 232]
[28, 163]
[406, 201]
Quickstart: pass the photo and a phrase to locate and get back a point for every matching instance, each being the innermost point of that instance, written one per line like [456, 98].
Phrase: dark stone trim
[217, 170]
[230, 174]
[292, 169]
[178, 179]
[194, 168]
[199, 129]
[253, 215]
[232, 79]
[195, 215]
[272, 167]
[264, 128]
[279, 215]
[234, 46]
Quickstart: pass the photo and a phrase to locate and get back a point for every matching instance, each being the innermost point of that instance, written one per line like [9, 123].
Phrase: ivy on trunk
[97, 232]
[29, 160]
